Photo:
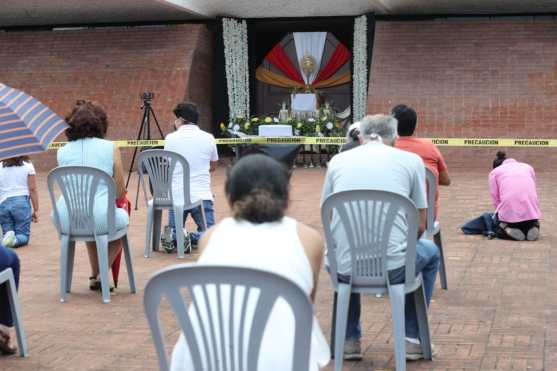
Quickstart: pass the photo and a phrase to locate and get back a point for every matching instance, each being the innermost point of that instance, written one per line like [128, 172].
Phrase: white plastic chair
[7, 278]
[159, 166]
[79, 186]
[220, 290]
[433, 227]
[368, 217]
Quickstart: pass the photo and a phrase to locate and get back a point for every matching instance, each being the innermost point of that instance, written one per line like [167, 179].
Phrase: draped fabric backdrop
[265, 34]
[310, 44]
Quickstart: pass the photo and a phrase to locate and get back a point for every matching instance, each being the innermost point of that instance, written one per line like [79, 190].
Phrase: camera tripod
[144, 134]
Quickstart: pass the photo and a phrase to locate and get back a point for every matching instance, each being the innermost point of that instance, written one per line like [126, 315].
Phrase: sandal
[5, 347]
[95, 284]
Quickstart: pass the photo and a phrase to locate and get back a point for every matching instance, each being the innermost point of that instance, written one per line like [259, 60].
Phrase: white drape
[313, 44]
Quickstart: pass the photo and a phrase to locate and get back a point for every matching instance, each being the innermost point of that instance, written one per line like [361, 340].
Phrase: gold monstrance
[308, 64]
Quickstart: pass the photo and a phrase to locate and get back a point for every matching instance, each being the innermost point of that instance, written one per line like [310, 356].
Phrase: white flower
[230, 124]
[296, 132]
[359, 69]
[311, 119]
[236, 127]
[329, 125]
[320, 134]
[236, 66]
[275, 119]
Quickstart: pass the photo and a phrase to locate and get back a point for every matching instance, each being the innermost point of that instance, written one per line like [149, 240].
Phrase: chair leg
[203, 217]
[129, 264]
[333, 325]
[149, 232]
[343, 301]
[397, 296]
[102, 254]
[16, 315]
[71, 256]
[64, 247]
[442, 269]
[423, 323]
[179, 221]
[157, 221]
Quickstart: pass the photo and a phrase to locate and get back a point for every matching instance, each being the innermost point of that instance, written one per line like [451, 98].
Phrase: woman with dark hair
[352, 137]
[512, 185]
[18, 192]
[88, 124]
[259, 235]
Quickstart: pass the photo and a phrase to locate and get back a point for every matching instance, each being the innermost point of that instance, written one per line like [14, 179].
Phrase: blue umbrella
[26, 125]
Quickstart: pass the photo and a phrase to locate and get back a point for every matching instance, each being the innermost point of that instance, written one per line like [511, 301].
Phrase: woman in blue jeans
[8, 259]
[18, 192]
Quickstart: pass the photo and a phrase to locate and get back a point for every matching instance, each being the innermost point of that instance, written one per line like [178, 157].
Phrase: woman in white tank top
[258, 235]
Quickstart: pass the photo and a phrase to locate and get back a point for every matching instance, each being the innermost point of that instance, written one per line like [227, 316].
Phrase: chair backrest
[160, 166]
[431, 192]
[79, 185]
[367, 218]
[5, 275]
[218, 310]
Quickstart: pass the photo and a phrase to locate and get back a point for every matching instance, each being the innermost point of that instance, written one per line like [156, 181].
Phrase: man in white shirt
[199, 148]
[376, 164]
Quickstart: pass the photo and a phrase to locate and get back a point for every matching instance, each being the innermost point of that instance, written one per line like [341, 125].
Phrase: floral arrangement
[320, 126]
[359, 78]
[235, 36]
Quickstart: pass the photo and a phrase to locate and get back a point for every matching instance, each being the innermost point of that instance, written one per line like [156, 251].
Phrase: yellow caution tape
[337, 141]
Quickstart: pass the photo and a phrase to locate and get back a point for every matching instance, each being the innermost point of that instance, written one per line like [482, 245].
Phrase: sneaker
[515, 234]
[9, 239]
[533, 234]
[352, 350]
[414, 351]
[187, 242]
[169, 247]
[491, 235]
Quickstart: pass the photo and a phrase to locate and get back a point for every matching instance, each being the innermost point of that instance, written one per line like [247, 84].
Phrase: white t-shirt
[380, 167]
[14, 180]
[199, 148]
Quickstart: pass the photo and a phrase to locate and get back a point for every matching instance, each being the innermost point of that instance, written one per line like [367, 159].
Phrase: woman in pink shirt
[512, 185]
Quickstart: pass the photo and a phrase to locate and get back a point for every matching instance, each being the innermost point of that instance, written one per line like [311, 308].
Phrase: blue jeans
[15, 215]
[8, 259]
[427, 263]
[484, 224]
[197, 218]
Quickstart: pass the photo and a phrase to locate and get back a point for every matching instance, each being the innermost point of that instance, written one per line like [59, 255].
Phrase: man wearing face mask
[199, 148]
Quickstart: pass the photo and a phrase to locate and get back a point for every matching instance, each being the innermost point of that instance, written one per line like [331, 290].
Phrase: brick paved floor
[499, 312]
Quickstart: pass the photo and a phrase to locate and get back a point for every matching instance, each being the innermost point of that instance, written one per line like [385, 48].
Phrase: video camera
[147, 96]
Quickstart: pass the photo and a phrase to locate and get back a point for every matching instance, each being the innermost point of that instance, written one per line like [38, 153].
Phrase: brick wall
[477, 78]
[112, 66]
[471, 78]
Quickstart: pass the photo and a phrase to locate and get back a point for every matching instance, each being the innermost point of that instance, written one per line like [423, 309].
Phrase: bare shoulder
[204, 240]
[310, 238]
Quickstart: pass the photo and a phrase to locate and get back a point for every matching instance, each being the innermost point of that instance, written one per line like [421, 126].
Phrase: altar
[300, 77]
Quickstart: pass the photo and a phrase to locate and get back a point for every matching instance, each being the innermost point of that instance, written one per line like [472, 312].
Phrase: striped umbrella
[26, 125]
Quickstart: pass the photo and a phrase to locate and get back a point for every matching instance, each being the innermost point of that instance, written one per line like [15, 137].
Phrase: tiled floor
[499, 311]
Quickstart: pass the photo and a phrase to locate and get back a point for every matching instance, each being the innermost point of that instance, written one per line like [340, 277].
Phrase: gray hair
[375, 126]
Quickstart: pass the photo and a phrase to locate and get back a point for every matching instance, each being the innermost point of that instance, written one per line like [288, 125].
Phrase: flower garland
[359, 77]
[321, 126]
[235, 36]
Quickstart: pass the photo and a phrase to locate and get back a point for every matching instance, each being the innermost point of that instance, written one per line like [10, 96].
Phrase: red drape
[340, 56]
[280, 60]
